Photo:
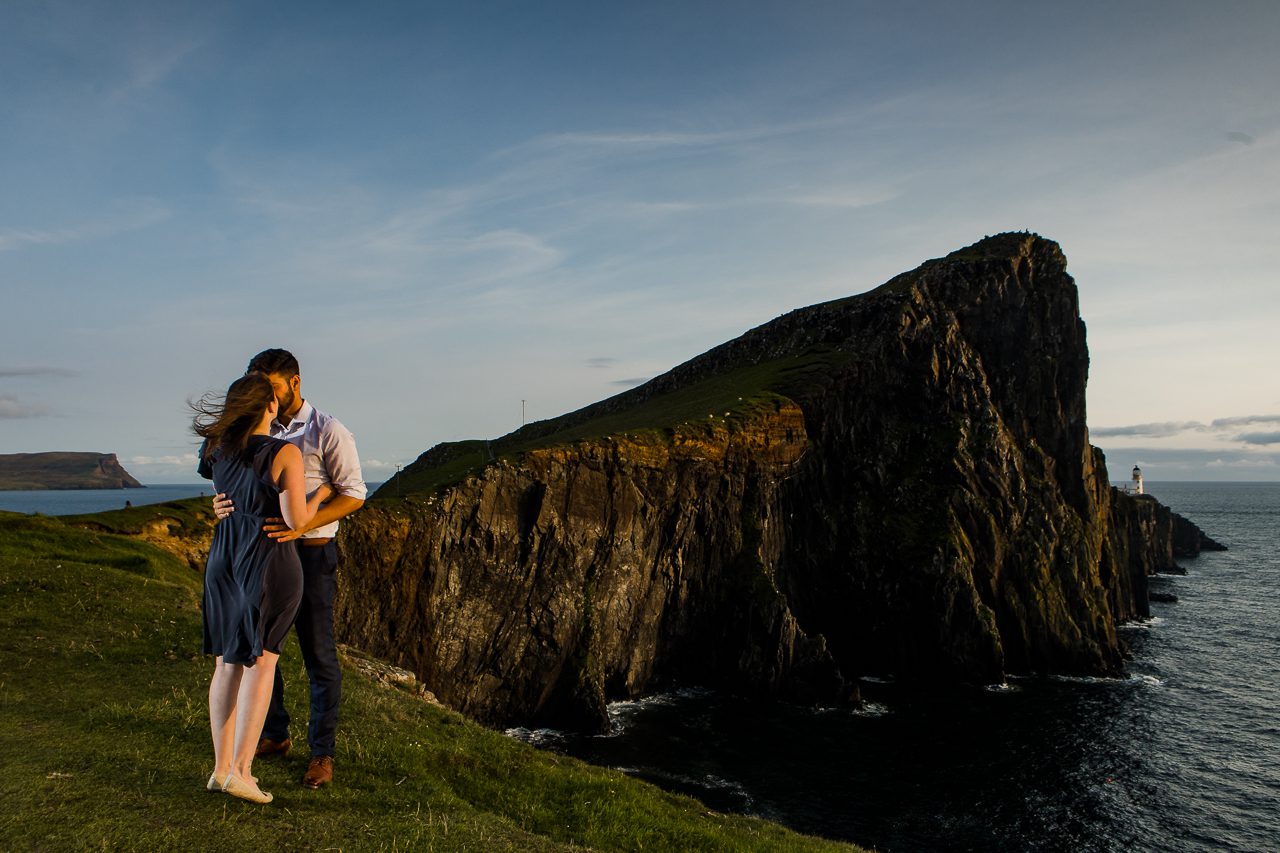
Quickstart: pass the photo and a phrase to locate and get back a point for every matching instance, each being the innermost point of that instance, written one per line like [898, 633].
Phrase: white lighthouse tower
[1137, 480]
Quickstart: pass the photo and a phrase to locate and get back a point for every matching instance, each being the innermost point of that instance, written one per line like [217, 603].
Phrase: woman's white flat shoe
[245, 790]
[214, 786]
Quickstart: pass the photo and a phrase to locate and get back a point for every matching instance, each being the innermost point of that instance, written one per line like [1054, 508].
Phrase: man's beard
[286, 404]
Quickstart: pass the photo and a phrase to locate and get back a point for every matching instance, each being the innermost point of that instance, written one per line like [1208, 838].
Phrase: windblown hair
[225, 424]
[279, 361]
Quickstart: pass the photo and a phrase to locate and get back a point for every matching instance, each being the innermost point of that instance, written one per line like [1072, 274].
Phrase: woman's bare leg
[224, 690]
[255, 695]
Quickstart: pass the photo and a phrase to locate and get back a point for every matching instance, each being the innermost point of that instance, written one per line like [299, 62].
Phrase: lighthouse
[1137, 480]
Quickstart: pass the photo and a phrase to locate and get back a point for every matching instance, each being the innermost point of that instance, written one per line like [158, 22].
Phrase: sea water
[79, 501]
[1182, 754]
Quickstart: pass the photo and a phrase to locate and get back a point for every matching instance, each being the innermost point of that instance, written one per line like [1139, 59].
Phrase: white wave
[537, 737]
[1142, 680]
[1005, 687]
[722, 784]
[672, 697]
[707, 782]
[862, 709]
[873, 679]
[622, 712]
[1142, 624]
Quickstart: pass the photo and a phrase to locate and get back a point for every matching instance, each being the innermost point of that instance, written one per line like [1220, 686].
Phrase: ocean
[1183, 754]
[78, 501]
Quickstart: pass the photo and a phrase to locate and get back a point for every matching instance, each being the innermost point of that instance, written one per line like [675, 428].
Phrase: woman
[252, 584]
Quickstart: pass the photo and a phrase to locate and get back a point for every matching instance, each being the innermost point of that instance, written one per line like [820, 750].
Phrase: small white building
[1137, 480]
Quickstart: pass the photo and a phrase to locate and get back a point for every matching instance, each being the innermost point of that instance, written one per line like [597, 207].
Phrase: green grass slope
[190, 517]
[104, 739]
[729, 398]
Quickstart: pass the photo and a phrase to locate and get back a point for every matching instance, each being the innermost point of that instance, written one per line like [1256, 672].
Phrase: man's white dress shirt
[328, 456]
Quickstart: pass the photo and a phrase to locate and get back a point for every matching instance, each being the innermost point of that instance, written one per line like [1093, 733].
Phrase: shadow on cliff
[897, 484]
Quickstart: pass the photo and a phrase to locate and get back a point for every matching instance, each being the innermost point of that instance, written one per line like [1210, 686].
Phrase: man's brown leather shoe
[268, 747]
[319, 772]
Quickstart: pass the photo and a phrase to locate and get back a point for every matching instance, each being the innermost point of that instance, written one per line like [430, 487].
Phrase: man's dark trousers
[319, 652]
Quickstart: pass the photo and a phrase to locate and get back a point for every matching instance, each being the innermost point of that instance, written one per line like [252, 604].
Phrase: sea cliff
[64, 470]
[896, 484]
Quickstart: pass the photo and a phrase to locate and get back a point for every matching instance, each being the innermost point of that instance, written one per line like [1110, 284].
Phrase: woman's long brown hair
[226, 424]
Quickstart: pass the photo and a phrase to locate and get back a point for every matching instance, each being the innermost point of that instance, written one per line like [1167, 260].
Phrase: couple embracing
[285, 473]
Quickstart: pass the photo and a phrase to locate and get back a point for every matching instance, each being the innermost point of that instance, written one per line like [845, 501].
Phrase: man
[329, 456]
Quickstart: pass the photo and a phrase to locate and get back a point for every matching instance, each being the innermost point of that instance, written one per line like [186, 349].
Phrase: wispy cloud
[134, 217]
[639, 139]
[851, 200]
[1221, 429]
[1259, 438]
[150, 66]
[1152, 430]
[652, 138]
[1247, 420]
[11, 372]
[662, 208]
[12, 407]
[390, 257]
[1251, 462]
[632, 382]
[601, 361]
[185, 459]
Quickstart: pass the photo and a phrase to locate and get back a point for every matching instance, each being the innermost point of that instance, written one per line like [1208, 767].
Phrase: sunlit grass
[104, 738]
[730, 399]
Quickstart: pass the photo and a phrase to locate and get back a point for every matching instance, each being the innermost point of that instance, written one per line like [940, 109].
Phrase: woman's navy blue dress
[252, 584]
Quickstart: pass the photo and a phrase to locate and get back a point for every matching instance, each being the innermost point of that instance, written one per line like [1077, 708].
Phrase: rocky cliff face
[535, 590]
[1148, 538]
[901, 484]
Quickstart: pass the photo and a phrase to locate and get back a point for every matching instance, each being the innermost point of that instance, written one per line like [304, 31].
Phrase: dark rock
[904, 487]
[1167, 597]
[1189, 540]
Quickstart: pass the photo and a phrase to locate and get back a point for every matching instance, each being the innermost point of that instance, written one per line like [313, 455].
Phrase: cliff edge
[897, 484]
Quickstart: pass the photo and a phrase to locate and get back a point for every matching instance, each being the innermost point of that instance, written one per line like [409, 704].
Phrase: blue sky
[445, 209]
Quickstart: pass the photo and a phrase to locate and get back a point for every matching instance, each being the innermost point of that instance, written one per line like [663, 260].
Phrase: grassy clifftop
[730, 398]
[104, 736]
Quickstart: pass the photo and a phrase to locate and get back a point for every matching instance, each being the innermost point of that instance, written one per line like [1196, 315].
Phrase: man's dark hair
[279, 361]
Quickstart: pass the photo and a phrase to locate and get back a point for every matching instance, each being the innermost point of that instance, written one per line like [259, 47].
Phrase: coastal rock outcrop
[897, 484]
[64, 470]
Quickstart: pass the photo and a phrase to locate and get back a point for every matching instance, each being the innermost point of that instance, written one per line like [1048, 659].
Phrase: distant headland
[32, 471]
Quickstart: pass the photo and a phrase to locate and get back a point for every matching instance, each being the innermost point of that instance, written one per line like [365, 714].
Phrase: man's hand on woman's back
[222, 505]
